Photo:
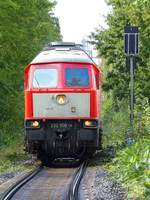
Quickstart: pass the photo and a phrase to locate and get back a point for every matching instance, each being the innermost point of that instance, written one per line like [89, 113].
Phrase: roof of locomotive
[64, 52]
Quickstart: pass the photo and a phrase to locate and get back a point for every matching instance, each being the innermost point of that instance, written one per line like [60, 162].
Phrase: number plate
[61, 125]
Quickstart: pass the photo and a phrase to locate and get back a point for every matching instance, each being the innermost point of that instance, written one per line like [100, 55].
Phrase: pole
[131, 47]
[132, 95]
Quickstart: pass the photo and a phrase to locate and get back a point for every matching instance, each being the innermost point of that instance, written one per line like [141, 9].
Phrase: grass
[132, 168]
[131, 165]
[13, 158]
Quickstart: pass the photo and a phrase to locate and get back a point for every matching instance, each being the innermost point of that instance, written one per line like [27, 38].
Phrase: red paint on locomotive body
[93, 88]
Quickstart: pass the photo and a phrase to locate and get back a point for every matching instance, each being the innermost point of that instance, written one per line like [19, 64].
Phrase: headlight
[90, 123]
[35, 124]
[32, 124]
[61, 99]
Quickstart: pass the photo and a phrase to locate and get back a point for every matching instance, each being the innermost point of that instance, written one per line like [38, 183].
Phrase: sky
[78, 18]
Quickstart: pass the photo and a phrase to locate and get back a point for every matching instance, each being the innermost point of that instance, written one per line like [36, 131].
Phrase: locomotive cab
[62, 103]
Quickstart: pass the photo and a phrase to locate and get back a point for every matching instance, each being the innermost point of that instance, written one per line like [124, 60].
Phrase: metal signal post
[132, 94]
[131, 37]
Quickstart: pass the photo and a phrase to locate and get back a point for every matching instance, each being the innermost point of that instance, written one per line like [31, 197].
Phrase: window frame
[73, 66]
[37, 67]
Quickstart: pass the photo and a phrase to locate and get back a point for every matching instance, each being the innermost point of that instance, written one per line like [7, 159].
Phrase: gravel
[98, 185]
[7, 176]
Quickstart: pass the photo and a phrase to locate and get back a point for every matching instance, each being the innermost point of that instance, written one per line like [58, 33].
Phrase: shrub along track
[48, 184]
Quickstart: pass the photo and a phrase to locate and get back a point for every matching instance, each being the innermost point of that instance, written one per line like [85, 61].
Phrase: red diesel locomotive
[62, 103]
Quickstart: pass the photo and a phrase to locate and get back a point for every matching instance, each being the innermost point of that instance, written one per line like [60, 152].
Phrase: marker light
[61, 99]
[35, 124]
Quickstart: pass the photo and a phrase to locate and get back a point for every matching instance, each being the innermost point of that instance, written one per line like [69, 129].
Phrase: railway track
[47, 184]
[9, 193]
[74, 185]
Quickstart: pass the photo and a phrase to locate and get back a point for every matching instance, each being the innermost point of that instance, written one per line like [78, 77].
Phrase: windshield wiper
[37, 82]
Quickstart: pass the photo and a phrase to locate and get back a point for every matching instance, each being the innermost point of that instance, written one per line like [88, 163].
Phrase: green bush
[142, 117]
[132, 165]
[13, 158]
[26, 27]
[115, 118]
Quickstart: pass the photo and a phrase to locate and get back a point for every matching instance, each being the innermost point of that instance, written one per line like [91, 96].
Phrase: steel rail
[9, 193]
[74, 185]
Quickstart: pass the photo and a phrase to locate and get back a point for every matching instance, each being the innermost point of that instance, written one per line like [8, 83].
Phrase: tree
[110, 45]
[25, 27]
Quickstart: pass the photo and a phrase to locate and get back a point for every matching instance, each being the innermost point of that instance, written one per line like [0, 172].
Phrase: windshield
[76, 77]
[45, 78]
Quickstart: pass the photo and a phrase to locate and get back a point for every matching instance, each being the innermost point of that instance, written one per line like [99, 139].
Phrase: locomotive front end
[62, 109]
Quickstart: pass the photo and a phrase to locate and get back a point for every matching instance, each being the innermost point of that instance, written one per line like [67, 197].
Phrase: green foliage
[142, 118]
[13, 159]
[132, 167]
[132, 164]
[26, 27]
[115, 120]
[110, 45]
